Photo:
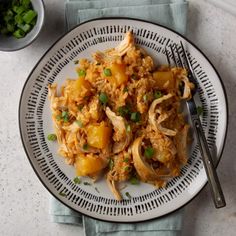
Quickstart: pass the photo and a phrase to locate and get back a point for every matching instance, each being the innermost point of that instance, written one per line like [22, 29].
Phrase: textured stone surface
[23, 199]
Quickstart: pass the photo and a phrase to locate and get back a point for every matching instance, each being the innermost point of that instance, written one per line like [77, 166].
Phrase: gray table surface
[24, 201]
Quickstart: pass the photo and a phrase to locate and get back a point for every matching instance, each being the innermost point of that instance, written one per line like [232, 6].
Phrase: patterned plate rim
[139, 20]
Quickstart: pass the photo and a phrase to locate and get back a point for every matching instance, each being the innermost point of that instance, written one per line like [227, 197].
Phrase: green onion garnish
[128, 195]
[103, 98]
[65, 116]
[134, 77]
[126, 159]
[127, 168]
[79, 123]
[157, 94]
[29, 16]
[199, 110]
[77, 180]
[149, 152]
[124, 111]
[87, 183]
[111, 164]
[80, 107]
[52, 137]
[125, 90]
[107, 72]
[62, 194]
[85, 146]
[135, 116]
[145, 97]
[81, 73]
[133, 180]
[128, 128]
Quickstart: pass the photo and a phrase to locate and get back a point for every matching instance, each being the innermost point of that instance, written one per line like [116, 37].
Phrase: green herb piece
[199, 110]
[135, 116]
[19, 19]
[80, 107]
[157, 94]
[58, 117]
[65, 116]
[145, 98]
[26, 28]
[133, 180]
[128, 128]
[18, 9]
[79, 123]
[82, 73]
[149, 152]
[126, 159]
[76, 62]
[29, 16]
[87, 183]
[125, 90]
[103, 98]
[96, 189]
[111, 164]
[107, 72]
[10, 27]
[134, 77]
[52, 137]
[77, 180]
[124, 111]
[19, 34]
[127, 168]
[128, 195]
[85, 146]
[62, 194]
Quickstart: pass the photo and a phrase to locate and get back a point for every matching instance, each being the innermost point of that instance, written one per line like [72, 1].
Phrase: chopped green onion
[25, 3]
[80, 107]
[128, 195]
[135, 116]
[134, 77]
[107, 72]
[62, 194]
[126, 159]
[111, 164]
[124, 110]
[10, 27]
[26, 28]
[127, 168]
[85, 146]
[29, 16]
[125, 90]
[96, 189]
[133, 180]
[82, 73]
[157, 94]
[77, 180]
[52, 137]
[79, 123]
[128, 128]
[18, 9]
[65, 116]
[87, 183]
[103, 98]
[145, 97]
[19, 34]
[149, 152]
[199, 110]
[76, 62]
[58, 117]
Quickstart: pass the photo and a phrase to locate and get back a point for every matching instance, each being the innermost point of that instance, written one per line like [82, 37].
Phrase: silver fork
[180, 58]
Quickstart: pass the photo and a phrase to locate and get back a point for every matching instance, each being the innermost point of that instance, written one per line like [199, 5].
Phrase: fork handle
[213, 179]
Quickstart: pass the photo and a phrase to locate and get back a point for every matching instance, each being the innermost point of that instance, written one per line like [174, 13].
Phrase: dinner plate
[96, 200]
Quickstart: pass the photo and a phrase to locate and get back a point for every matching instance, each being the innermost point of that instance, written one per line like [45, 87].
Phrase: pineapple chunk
[98, 135]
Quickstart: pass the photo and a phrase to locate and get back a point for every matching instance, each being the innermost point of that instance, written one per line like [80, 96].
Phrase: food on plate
[121, 117]
[17, 18]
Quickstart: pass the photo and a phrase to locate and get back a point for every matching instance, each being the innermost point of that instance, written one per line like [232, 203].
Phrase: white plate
[35, 122]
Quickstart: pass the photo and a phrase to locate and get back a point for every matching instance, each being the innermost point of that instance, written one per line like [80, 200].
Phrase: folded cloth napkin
[171, 13]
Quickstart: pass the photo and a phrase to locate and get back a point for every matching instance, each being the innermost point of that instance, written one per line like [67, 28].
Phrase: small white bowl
[9, 43]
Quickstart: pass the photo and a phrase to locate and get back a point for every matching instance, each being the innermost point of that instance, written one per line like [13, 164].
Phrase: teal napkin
[170, 13]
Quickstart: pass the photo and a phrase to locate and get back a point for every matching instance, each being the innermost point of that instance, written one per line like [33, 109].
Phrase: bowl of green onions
[20, 23]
